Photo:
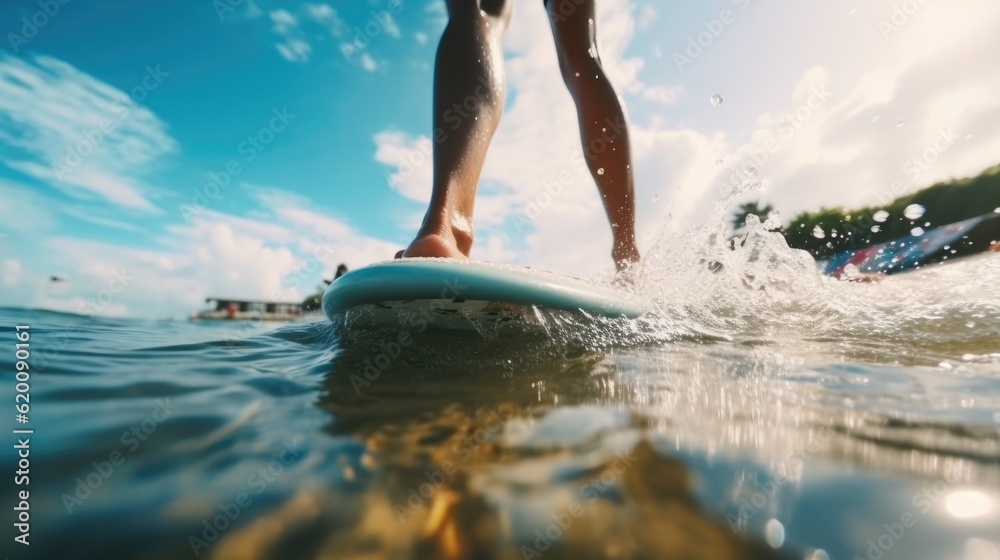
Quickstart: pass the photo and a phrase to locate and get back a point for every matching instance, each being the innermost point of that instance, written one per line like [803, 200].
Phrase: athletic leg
[603, 130]
[468, 101]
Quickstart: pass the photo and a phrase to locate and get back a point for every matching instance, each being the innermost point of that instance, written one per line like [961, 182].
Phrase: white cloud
[253, 10]
[294, 50]
[283, 255]
[283, 21]
[78, 134]
[647, 16]
[662, 95]
[368, 63]
[293, 46]
[320, 12]
[327, 16]
[390, 26]
[10, 273]
[437, 13]
[410, 157]
[837, 155]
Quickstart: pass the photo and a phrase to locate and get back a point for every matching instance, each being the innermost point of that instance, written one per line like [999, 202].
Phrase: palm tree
[747, 208]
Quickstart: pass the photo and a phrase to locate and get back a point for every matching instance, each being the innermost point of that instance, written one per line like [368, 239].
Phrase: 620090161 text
[22, 406]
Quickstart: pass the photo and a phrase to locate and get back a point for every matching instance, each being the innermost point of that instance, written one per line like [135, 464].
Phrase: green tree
[747, 208]
[831, 231]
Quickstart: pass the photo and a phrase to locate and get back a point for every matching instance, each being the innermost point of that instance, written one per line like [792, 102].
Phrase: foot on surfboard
[432, 246]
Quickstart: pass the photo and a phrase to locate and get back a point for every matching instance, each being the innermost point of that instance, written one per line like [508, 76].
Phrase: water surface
[762, 411]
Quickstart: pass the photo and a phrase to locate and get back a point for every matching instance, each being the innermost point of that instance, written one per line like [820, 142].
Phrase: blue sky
[337, 98]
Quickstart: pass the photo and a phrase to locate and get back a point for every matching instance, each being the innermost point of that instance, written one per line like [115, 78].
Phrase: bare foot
[433, 245]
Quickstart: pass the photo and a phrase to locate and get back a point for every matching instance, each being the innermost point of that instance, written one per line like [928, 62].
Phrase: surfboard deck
[448, 291]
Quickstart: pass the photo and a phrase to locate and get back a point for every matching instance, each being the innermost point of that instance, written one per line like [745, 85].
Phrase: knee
[497, 8]
[466, 11]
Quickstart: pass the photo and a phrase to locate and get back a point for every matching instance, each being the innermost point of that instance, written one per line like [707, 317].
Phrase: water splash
[914, 211]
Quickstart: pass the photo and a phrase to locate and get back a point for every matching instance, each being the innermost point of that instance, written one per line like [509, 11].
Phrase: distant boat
[937, 245]
[248, 310]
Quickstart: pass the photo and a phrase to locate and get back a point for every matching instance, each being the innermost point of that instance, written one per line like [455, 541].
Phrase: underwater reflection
[477, 453]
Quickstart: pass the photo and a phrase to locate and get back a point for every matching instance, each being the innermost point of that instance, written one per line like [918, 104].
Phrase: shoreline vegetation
[828, 232]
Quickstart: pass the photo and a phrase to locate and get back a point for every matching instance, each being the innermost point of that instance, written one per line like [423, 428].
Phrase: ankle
[456, 233]
[625, 254]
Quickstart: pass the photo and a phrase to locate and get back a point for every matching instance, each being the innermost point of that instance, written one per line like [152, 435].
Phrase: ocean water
[762, 411]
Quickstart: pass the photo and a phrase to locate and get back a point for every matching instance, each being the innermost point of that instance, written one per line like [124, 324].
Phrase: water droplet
[917, 231]
[880, 216]
[577, 74]
[656, 198]
[818, 232]
[774, 533]
[946, 247]
[592, 52]
[604, 130]
[876, 229]
[996, 210]
[913, 211]
[927, 224]
[600, 171]
[751, 171]
[901, 123]
[720, 161]
[833, 233]
[818, 554]
[717, 99]
[876, 118]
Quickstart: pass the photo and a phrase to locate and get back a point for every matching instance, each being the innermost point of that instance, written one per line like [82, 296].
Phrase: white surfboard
[448, 291]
